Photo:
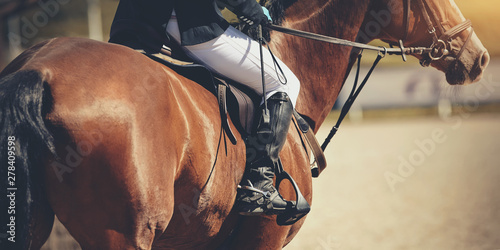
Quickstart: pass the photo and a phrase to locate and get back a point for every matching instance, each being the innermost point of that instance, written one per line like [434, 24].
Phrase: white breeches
[236, 56]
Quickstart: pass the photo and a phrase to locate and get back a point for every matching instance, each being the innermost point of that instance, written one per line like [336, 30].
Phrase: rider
[201, 31]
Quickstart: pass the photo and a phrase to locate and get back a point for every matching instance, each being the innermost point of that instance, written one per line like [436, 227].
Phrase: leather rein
[437, 50]
[440, 48]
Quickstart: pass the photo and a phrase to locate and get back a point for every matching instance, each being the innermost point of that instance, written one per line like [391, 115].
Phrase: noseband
[441, 45]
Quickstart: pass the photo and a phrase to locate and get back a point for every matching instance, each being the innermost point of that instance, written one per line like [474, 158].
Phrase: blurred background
[391, 182]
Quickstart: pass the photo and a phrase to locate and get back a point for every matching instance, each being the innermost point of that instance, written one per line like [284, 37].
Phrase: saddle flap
[244, 101]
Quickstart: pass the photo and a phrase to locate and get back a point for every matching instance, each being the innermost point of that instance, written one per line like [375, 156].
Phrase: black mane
[277, 9]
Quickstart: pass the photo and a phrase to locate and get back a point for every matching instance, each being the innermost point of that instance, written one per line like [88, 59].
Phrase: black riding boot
[257, 194]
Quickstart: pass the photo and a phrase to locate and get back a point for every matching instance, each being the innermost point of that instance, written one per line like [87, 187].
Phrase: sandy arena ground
[443, 191]
[445, 197]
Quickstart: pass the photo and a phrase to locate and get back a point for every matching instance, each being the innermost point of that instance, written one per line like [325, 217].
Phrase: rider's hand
[249, 11]
[256, 17]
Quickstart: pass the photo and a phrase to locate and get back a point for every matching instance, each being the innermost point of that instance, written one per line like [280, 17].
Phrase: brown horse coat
[141, 161]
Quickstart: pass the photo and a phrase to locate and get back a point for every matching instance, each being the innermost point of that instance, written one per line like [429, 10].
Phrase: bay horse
[130, 155]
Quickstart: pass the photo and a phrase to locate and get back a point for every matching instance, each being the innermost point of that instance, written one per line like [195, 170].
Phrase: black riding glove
[255, 17]
[249, 11]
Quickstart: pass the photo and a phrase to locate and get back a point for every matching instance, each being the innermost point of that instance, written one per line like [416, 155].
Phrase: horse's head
[437, 24]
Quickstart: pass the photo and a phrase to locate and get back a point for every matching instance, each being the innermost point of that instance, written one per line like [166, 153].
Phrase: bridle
[441, 45]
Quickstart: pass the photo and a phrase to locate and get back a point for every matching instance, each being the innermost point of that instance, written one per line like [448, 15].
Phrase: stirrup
[295, 209]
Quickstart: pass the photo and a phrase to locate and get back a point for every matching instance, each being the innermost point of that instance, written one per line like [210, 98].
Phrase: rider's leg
[258, 195]
[236, 56]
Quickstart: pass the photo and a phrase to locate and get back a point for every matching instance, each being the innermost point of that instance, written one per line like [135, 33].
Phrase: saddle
[243, 103]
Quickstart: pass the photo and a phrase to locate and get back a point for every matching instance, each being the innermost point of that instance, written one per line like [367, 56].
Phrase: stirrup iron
[295, 209]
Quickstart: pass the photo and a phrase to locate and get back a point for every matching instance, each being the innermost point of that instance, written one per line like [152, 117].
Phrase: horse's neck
[321, 67]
